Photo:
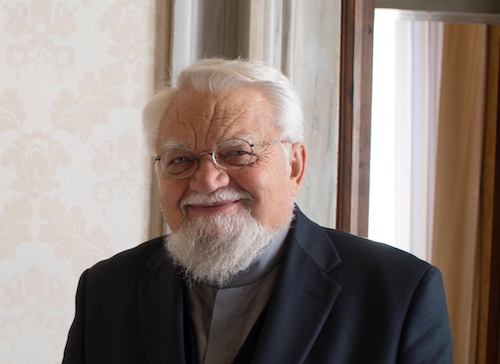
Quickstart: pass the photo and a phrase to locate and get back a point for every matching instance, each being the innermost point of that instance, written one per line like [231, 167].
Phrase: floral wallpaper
[74, 174]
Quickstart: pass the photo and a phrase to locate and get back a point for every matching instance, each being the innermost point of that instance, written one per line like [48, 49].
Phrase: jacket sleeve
[74, 352]
[426, 336]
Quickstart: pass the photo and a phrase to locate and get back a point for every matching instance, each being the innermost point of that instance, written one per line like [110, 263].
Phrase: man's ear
[297, 166]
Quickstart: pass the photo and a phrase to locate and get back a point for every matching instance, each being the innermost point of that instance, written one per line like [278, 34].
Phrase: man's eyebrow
[175, 144]
[248, 137]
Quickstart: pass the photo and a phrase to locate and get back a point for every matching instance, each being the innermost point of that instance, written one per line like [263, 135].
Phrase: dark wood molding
[355, 113]
[493, 339]
[343, 215]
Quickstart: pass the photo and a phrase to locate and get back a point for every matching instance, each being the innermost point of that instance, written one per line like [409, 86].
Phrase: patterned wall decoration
[74, 173]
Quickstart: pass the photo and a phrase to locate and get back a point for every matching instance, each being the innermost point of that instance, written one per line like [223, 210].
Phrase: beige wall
[75, 185]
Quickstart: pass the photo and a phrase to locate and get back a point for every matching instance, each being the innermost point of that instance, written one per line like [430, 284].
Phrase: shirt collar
[267, 259]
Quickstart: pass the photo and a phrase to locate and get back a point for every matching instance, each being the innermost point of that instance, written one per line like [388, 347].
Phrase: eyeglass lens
[228, 155]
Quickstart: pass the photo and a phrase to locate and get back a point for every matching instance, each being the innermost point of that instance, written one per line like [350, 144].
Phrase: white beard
[214, 248]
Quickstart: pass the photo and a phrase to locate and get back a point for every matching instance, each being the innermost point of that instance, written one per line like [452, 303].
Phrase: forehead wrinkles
[205, 119]
[234, 116]
[187, 117]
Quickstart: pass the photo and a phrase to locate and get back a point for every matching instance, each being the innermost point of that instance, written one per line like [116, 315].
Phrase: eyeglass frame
[213, 159]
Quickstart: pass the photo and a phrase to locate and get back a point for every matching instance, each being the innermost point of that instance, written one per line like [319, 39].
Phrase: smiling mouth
[221, 201]
[213, 207]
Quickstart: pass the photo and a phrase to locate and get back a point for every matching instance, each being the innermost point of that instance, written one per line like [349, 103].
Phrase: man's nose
[208, 178]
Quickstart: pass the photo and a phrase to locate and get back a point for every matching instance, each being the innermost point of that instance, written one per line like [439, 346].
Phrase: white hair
[214, 75]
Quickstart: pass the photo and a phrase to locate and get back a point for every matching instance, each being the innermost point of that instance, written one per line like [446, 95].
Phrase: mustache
[219, 195]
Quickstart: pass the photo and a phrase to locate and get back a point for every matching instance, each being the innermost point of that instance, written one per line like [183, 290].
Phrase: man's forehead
[215, 117]
[235, 103]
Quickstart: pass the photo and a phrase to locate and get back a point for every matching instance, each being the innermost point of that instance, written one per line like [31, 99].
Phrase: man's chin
[194, 216]
[216, 247]
[213, 226]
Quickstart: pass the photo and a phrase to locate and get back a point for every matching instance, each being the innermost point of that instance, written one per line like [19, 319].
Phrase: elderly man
[244, 276]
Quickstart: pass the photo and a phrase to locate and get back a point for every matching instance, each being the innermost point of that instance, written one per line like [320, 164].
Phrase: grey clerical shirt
[224, 316]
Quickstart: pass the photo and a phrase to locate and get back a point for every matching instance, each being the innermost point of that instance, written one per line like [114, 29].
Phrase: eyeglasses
[228, 155]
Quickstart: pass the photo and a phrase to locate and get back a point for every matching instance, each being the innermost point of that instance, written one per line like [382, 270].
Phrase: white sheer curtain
[407, 59]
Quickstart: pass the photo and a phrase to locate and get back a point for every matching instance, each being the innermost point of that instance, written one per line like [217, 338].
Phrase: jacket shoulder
[345, 253]
[130, 262]
[367, 251]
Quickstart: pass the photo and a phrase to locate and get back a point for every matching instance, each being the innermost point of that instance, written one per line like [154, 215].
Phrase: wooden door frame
[356, 56]
[493, 333]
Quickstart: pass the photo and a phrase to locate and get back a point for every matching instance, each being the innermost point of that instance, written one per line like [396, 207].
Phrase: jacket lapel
[161, 302]
[303, 296]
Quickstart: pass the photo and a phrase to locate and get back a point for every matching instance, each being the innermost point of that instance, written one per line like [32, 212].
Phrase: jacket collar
[303, 295]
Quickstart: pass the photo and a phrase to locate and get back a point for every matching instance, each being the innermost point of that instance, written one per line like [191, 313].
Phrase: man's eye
[179, 160]
[237, 153]
[236, 157]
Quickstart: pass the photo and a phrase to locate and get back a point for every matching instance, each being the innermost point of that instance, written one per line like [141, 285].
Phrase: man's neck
[267, 259]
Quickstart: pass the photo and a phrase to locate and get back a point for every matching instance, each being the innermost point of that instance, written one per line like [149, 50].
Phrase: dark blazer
[337, 299]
